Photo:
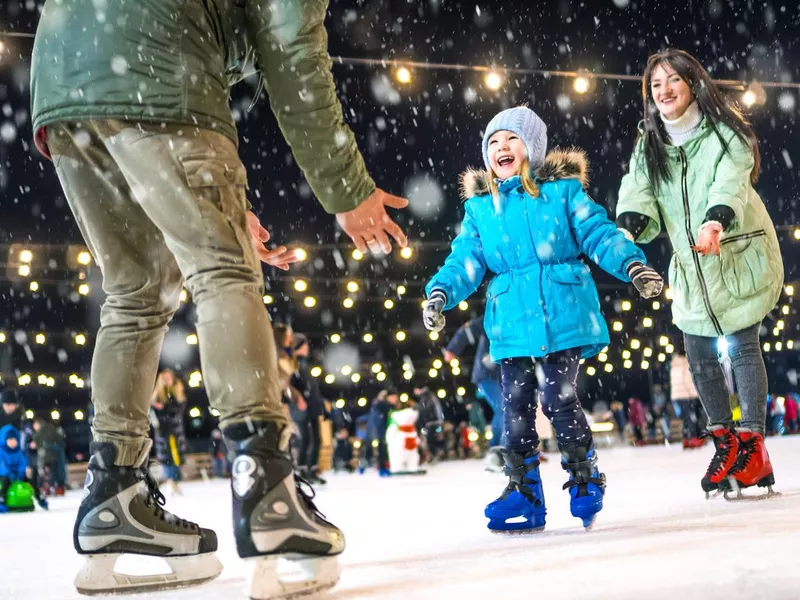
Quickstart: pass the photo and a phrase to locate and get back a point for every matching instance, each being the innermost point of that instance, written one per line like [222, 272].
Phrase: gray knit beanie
[527, 125]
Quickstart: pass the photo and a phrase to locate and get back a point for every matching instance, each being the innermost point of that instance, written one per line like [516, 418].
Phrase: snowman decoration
[402, 442]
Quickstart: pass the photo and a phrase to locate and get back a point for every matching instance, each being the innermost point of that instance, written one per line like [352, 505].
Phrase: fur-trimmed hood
[570, 163]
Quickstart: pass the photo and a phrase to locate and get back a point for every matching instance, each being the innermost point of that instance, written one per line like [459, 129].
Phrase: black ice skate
[274, 518]
[121, 513]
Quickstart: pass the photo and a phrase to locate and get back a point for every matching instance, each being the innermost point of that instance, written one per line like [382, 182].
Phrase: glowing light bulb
[301, 285]
[403, 75]
[493, 80]
[581, 85]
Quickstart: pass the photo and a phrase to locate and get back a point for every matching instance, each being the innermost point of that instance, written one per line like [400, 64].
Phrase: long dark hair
[712, 104]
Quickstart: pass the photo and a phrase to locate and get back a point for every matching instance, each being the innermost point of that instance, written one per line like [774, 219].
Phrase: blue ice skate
[520, 508]
[586, 484]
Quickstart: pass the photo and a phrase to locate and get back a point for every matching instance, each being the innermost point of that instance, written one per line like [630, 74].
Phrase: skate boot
[727, 449]
[520, 508]
[586, 483]
[493, 462]
[752, 467]
[274, 518]
[121, 513]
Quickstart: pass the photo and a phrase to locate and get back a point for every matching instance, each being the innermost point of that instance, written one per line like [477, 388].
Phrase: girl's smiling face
[671, 94]
[506, 152]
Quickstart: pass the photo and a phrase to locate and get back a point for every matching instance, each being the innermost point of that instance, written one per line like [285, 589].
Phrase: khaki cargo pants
[157, 206]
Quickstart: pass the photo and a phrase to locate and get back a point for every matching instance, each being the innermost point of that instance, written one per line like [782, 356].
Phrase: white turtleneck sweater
[684, 127]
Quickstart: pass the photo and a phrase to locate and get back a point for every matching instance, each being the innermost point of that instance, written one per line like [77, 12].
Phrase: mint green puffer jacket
[712, 295]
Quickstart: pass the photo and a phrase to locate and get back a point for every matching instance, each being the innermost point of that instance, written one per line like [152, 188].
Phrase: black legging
[310, 442]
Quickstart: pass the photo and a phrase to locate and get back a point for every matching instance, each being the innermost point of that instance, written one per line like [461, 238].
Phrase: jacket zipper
[688, 223]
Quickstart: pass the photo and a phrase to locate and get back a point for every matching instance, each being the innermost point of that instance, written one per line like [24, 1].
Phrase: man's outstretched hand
[280, 257]
[369, 226]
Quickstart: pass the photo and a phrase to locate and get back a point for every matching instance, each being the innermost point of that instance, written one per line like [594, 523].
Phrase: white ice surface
[425, 537]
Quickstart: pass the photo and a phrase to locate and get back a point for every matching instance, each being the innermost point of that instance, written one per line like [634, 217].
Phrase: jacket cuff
[632, 264]
[633, 222]
[438, 293]
[724, 215]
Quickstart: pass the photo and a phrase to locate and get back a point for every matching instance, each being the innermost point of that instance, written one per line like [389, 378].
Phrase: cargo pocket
[219, 188]
[743, 258]
[496, 321]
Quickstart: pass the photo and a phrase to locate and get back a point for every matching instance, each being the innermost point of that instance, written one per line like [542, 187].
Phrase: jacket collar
[570, 163]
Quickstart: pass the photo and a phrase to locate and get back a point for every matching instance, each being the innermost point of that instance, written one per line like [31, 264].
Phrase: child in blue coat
[13, 465]
[527, 220]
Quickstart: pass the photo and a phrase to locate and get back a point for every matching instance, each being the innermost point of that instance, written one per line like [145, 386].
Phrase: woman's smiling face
[671, 94]
[506, 152]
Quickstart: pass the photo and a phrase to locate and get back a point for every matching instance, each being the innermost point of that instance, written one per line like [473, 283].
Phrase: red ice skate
[727, 450]
[752, 467]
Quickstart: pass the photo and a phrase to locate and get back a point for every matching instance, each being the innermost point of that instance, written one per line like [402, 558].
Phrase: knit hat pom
[527, 125]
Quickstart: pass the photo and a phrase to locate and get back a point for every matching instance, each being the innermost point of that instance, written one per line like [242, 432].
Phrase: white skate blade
[291, 576]
[97, 576]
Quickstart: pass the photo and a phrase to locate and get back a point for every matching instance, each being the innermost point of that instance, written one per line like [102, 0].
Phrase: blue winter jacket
[12, 462]
[472, 333]
[542, 298]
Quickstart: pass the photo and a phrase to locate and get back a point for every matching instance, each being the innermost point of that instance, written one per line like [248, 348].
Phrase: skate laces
[156, 500]
[746, 451]
[722, 455]
[308, 497]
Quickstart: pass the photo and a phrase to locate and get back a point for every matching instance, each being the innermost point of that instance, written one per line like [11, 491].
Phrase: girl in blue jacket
[527, 220]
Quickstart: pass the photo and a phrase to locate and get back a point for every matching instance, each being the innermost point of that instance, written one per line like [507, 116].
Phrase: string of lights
[495, 75]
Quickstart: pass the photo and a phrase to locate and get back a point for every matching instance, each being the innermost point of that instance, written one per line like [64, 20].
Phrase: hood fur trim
[570, 163]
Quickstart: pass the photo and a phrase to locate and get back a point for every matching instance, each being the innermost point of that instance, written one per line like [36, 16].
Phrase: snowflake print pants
[550, 380]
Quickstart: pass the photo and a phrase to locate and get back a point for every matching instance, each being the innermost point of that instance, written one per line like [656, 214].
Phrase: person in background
[13, 466]
[376, 428]
[431, 418]
[12, 412]
[790, 413]
[168, 411]
[343, 448]
[219, 454]
[50, 456]
[686, 400]
[309, 424]
[621, 421]
[637, 417]
[776, 414]
[486, 377]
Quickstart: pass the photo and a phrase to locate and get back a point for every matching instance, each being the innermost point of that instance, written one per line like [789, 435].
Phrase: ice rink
[425, 537]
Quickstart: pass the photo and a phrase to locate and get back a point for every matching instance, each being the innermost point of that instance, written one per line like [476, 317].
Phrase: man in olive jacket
[131, 101]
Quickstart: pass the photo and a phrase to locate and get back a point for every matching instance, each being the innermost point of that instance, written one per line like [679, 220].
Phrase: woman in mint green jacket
[692, 174]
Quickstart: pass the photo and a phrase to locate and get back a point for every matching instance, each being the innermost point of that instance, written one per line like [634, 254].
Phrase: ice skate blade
[517, 532]
[97, 576]
[311, 575]
[740, 497]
